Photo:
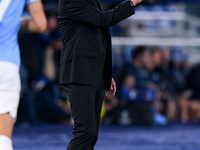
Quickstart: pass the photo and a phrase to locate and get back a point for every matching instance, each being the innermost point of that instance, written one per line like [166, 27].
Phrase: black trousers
[86, 103]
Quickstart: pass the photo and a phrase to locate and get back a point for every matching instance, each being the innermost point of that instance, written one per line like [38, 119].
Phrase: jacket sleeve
[83, 12]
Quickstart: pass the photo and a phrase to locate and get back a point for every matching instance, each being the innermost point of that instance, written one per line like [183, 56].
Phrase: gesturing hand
[136, 2]
[112, 91]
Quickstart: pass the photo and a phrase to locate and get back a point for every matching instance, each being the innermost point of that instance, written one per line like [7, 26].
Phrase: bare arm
[37, 21]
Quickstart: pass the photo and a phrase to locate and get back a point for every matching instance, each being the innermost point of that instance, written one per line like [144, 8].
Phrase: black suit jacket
[86, 54]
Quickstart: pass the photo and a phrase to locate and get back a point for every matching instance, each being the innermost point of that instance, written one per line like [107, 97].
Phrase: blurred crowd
[155, 85]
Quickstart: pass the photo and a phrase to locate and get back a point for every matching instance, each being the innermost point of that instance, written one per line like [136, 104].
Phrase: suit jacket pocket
[87, 66]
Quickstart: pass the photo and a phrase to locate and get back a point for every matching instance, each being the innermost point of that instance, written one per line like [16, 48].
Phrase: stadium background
[160, 97]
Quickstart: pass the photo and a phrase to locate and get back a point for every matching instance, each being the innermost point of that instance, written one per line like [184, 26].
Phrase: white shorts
[10, 86]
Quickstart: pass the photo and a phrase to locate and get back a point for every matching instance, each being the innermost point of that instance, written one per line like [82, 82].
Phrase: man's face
[156, 58]
[147, 60]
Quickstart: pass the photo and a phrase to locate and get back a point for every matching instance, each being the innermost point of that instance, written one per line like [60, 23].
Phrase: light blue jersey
[10, 13]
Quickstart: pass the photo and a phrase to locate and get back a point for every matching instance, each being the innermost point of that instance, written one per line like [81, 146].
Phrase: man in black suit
[86, 62]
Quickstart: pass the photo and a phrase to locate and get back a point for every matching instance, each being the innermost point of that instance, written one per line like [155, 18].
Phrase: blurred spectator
[52, 105]
[194, 100]
[179, 71]
[39, 91]
[27, 108]
[43, 41]
[52, 57]
[138, 90]
[141, 62]
[111, 105]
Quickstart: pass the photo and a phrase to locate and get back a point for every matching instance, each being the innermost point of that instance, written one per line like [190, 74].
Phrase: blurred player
[10, 13]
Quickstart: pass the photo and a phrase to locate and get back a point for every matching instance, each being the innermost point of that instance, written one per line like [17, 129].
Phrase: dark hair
[138, 51]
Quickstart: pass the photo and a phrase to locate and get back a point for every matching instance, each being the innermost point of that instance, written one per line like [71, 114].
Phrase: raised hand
[136, 2]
